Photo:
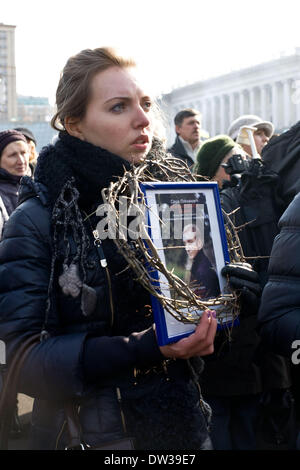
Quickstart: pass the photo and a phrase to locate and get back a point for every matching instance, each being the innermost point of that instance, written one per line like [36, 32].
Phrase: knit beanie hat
[11, 135]
[211, 154]
[27, 132]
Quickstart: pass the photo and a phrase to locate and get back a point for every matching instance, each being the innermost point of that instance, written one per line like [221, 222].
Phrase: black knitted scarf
[74, 173]
[91, 168]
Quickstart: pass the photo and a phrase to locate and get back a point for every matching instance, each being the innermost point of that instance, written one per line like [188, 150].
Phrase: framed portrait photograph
[185, 224]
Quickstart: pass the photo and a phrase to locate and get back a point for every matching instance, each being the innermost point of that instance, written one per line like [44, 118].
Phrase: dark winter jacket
[85, 356]
[279, 314]
[179, 151]
[244, 365]
[257, 213]
[9, 189]
[204, 277]
[282, 155]
[3, 216]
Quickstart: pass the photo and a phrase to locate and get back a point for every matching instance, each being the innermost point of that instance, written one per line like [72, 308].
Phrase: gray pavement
[25, 407]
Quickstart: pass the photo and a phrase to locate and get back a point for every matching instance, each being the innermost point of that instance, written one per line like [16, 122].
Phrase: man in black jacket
[241, 375]
[278, 315]
[282, 155]
[187, 143]
[199, 271]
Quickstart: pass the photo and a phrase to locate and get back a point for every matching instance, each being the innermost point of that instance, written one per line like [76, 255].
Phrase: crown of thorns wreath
[184, 303]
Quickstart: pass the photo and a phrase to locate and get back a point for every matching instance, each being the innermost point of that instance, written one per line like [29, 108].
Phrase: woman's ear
[73, 127]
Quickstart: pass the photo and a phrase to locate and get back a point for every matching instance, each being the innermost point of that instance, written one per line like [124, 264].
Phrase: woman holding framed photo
[98, 341]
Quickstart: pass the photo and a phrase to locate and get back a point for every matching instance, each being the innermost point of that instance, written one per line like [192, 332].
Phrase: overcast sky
[174, 41]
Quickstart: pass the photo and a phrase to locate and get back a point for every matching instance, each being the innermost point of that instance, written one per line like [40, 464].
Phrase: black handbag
[8, 398]
[277, 423]
[76, 441]
[9, 392]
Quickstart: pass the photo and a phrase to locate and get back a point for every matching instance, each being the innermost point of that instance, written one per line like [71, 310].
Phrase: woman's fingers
[199, 343]
[204, 335]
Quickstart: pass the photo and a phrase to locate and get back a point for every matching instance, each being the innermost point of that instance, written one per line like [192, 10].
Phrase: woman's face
[221, 174]
[119, 115]
[15, 158]
[260, 139]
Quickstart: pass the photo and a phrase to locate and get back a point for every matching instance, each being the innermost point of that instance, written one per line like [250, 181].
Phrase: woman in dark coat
[96, 326]
[14, 163]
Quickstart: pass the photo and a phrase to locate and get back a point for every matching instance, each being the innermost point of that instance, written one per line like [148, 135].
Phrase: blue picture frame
[200, 198]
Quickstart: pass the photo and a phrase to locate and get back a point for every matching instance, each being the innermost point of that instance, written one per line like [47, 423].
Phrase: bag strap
[10, 388]
[74, 428]
[76, 441]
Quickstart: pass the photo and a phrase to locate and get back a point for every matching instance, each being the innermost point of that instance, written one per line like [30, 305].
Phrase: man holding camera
[212, 159]
[241, 375]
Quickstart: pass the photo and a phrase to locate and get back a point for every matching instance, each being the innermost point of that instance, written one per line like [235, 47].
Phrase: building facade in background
[31, 112]
[270, 90]
[8, 94]
[34, 109]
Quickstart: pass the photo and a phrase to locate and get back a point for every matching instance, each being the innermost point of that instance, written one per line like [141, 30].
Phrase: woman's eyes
[147, 105]
[121, 106]
[118, 107]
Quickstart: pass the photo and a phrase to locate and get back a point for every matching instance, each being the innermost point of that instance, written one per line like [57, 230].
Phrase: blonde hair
[73, 91]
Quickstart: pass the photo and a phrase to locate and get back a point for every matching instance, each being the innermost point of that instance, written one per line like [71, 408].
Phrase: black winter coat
[258, 214]
[244, 365]
[204, 277]
[179, 151]
[9, 190]
[162, 408]
[282, 155]
[3, 216]
[279, 314]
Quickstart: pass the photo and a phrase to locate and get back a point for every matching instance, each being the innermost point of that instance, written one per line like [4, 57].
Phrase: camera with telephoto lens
[235, 166]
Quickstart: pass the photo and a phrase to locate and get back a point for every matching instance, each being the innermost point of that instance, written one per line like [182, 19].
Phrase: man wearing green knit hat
[213, 153]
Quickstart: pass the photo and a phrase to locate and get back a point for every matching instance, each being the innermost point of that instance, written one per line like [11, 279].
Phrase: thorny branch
[142, 256]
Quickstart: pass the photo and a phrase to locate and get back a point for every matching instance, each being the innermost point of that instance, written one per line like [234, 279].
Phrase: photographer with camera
[234, 382]
[213, 157]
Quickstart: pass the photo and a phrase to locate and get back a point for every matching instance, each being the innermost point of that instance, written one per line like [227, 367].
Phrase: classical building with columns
[270, 90]
[8, 95]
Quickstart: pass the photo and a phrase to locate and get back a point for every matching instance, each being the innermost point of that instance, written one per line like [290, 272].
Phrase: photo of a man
[199, 274]
[186, 228]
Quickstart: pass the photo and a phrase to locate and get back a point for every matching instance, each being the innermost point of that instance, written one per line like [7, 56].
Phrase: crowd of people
[250, 387]
[98, 348]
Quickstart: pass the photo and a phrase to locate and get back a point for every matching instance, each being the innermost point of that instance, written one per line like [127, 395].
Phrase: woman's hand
[199, 343]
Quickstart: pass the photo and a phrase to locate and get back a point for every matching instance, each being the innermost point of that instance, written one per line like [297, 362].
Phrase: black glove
[243, 279]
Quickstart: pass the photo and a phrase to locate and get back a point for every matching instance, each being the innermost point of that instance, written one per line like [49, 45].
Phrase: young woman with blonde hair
[97, 329]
